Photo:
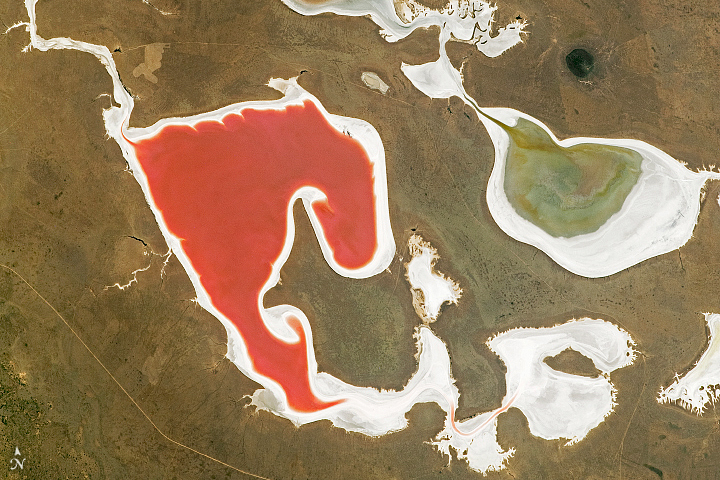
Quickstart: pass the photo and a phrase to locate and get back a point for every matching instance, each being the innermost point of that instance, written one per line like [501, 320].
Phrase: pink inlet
[224, 189]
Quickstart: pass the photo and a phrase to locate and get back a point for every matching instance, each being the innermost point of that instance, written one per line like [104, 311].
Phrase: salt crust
[467, 21]
[699, 387]
[430, 289]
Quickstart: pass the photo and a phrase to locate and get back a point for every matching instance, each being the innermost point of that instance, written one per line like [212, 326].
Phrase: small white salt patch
[373, 81]
[430, 289]
[701, 385]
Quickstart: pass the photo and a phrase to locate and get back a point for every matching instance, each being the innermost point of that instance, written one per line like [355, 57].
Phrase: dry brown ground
[68, 209]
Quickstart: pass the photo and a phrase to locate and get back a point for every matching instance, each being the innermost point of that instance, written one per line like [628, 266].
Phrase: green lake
[566, 191]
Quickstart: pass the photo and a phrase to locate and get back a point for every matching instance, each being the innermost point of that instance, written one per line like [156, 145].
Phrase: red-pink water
[224, 190]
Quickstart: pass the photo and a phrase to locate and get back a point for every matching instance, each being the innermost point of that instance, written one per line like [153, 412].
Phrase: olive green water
[566, 191]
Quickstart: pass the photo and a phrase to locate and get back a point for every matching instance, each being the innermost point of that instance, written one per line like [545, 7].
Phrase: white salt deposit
[373, 81]
[430, 288]
[469, 21]
[700, 386]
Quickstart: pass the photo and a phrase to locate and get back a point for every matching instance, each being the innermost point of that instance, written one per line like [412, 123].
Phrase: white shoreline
[657, 217]
[367, 410]
[700, 386]
[430, 289]
[557, 404]
[642, 229]
[469, 21]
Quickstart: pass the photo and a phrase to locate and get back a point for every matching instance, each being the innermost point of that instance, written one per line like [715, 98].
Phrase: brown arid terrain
[114, 383]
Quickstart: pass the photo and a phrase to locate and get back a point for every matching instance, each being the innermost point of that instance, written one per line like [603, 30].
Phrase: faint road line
[122, 388]
[24, 114]
[637, 404]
